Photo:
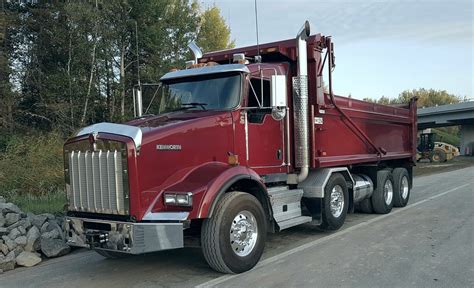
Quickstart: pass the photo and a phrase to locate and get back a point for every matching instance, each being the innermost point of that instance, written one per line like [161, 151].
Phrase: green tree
[214, 34]
[426, 98]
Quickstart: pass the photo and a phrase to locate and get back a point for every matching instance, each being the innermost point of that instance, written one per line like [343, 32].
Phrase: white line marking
[273, 259]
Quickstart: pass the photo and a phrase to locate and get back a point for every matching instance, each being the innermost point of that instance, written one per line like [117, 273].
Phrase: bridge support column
[467, 140]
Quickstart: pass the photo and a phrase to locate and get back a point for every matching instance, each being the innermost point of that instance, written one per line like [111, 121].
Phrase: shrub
[32, 165]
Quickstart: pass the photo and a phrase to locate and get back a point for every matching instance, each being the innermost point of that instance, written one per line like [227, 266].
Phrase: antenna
[256, 28]
[138, 52]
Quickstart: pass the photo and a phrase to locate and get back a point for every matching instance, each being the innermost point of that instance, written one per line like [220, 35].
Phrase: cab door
[265, 135]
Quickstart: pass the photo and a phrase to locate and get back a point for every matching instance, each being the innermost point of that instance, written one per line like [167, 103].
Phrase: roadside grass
[53, 202]
[32, 171]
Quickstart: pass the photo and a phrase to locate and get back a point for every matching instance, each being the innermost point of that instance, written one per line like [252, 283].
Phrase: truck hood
[170, 118]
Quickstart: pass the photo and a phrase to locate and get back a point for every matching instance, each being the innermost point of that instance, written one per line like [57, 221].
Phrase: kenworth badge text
[241, 143]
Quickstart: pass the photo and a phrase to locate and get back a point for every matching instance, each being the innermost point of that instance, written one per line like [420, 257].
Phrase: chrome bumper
[132, 238]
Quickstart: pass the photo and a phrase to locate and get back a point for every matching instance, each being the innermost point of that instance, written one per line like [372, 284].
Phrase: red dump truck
[238, 144]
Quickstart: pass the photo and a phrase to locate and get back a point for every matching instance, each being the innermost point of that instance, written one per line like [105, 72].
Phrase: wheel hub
[337, 201]
[405, 187]
[388, 192]
[243, 233]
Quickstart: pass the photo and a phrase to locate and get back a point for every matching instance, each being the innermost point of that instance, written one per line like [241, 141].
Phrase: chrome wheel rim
[405, 187]
[388, 192]
[337, 201]
[243, 233]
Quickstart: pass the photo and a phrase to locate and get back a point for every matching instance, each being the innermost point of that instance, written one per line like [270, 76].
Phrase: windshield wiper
[195, 104]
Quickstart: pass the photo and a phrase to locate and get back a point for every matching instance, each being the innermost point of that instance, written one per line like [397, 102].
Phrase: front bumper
[132, 238]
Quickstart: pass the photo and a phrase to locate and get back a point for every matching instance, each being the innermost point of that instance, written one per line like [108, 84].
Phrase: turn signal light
[178, 199]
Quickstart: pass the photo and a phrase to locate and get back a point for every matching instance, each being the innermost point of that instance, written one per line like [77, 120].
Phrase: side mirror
[278, 91]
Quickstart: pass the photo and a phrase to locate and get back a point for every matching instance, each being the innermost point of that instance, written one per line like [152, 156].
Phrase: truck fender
[221, 184]
[313, 186]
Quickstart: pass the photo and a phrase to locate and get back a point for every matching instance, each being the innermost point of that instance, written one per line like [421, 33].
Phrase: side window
[256, 92]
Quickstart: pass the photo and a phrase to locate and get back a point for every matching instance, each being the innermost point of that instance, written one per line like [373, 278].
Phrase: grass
[53, 202]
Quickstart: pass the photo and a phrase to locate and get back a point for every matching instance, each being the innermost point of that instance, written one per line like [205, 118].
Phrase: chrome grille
[96, 182]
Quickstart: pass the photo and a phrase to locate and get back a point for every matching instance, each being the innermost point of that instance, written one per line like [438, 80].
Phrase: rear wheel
[335, 202]
[234, 238]
[382, 198]
[401, 187]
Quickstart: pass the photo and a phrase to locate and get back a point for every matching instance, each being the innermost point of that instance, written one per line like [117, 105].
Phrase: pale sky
[382, 47]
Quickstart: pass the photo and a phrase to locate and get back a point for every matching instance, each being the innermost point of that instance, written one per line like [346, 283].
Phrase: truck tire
[335, 202]
[233, 239]
[111, 254]
[401, 187]
[382, 198]
[365, 206]
[438, 155]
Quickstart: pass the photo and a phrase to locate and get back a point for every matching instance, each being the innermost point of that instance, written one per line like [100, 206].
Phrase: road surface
[429, 243]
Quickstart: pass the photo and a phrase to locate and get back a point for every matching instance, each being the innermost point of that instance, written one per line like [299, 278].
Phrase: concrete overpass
[461, 114]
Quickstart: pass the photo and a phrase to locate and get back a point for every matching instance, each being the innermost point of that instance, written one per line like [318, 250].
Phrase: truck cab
[237, 144]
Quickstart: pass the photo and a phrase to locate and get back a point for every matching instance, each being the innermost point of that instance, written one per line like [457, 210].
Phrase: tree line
[426, 98]
[68, 63]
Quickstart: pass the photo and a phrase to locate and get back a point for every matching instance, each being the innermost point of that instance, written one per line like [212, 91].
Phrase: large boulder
[12, 218]
[27, 259]
[38, 220]
[14, 233]
[7, 262]
[9, 242]
[9, 208]
[23, 222]
[21, 240]
[53, 234]
[4, 248]
[54, 247]
[33, 239]
[3, 230]
[2, 220]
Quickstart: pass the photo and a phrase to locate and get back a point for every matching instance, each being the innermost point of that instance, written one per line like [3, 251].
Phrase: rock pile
[24, 238]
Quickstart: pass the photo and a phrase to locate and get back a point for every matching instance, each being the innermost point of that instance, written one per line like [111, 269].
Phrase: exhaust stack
[196, 51]
[300, 105]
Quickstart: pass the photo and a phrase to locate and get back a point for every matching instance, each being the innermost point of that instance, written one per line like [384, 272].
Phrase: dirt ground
[426, 168]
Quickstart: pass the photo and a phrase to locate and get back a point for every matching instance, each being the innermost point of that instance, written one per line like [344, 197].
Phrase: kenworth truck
[238, 144]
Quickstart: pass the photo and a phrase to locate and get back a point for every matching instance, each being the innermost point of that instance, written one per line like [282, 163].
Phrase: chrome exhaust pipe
[196, 51]
[300, 105]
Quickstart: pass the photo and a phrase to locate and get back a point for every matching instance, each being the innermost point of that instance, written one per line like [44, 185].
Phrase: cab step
[286, 205]
[294, 222]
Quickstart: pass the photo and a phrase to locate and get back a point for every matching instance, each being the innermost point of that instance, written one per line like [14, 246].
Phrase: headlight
[179, 199]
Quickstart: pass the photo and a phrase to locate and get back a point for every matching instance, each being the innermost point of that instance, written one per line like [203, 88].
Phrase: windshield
[209, 92]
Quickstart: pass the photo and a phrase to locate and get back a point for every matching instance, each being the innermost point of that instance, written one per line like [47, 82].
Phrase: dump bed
[383, 132]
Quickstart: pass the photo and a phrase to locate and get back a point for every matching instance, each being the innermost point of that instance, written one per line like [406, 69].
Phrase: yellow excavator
[435, 151]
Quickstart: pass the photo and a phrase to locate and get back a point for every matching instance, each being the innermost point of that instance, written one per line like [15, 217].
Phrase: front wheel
[233, 239]
[335, 202]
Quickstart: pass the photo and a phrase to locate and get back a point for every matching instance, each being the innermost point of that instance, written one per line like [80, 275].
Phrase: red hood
[170, 118]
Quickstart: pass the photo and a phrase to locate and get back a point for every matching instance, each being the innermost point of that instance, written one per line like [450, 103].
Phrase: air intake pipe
[300, 105]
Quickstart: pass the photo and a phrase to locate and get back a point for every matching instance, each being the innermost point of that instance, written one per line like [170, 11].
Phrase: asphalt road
[429, 243]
